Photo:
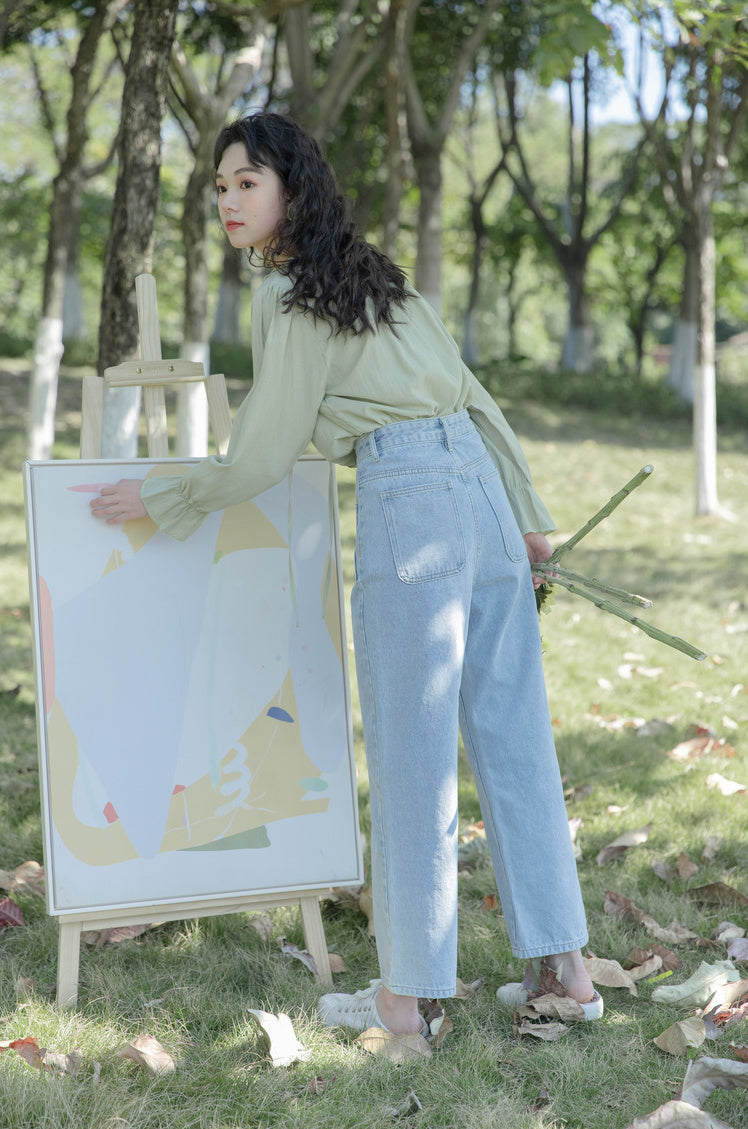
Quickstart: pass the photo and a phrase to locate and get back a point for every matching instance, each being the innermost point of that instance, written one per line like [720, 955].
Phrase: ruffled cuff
[163, 498]
[530, 512]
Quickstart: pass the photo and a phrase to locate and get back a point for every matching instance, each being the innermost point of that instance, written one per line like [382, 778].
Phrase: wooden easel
[153, 374]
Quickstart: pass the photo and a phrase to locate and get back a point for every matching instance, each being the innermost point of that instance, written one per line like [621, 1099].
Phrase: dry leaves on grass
[674, 934]
[718, 894]
[147, 1052]
[704, 744]
[42, 1059]
[29, 876]
[10, 914]
[280, 1038]
[100, 937]
[676, 1039]
[292, 950]
[396, 1048]
[610, 974]
[621, 844]
[722, 784]
[703, 1076]
[699, 988]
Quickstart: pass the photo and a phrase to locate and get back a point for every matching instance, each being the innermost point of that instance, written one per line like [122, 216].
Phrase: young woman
[348, 356]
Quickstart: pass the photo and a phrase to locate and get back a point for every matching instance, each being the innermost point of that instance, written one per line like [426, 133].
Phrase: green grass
[190, 983]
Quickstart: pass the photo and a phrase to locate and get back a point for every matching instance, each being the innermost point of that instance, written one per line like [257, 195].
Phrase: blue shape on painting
[279, 714]
[313, 784]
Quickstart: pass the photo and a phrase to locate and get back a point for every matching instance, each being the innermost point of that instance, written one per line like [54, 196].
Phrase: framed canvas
[193, 704]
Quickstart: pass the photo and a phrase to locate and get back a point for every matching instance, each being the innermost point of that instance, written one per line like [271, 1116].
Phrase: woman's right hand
[120, 502]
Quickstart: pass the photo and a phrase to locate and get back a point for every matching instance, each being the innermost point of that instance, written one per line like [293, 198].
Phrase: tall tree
[64, 214]
[570, 44]
[130, 246]
[435, 70]
[708, 59]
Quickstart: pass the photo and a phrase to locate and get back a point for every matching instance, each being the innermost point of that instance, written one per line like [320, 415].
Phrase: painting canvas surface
[192, 697]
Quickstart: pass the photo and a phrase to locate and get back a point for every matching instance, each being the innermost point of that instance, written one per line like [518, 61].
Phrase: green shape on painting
[313, 784]
[245, 840]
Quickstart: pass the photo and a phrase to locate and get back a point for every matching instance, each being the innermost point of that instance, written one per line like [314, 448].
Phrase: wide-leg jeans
[446, 635]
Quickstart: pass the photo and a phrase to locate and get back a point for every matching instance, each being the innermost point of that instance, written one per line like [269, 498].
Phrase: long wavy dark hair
[337, 274]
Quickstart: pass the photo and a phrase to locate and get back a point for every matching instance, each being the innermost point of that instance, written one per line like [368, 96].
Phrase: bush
[612, 391]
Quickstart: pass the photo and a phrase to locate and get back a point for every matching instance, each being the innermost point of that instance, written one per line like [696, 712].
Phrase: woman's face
[251, 201]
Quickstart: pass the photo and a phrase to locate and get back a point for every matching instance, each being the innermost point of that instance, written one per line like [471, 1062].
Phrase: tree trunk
[130, 246]
[577, 350]
[705, 394]
[228, 309]
[428, 278]
[64, 221]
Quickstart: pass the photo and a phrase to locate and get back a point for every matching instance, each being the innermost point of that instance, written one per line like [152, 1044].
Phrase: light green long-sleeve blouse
[311, 385]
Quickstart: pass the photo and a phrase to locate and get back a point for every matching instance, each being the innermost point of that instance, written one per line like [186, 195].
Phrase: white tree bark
[192, 405]
[48, 350]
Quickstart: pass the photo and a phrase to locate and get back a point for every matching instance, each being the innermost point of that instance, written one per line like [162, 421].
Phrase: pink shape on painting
[110, 813]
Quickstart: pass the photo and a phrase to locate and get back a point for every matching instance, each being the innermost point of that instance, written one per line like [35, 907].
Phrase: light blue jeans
[446, 634]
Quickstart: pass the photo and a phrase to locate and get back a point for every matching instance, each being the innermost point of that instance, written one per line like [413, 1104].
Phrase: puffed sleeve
[504, 448]
[271, 429]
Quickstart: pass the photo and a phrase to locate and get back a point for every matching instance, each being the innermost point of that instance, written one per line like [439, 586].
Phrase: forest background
[565, 181]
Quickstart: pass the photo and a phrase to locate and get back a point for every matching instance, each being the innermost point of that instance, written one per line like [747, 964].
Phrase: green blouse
[312, 385]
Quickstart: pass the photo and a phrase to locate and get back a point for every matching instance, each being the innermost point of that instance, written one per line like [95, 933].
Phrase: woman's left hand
[120, 502]
[538, 550]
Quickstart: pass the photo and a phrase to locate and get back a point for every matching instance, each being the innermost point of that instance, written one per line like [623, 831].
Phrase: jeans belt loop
[373, 446]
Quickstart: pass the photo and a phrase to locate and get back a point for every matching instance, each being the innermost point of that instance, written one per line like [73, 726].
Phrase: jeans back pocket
[425, 531]
[513, 540]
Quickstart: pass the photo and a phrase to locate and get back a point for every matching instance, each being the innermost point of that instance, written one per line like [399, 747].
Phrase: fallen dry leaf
[726, 996]
[10, 913]
[740, 1051]
[280, 1038]
[547, 1032]
[408, 1107]
[262, 924]
[725, 786]
[100, 937]
[646, 968]
[148, 1052]
[610, 974]
[440, 1027]
[663, 871]
[686, 867]
[337, 964]
[28, 876]
[397, 1048]
[676, 1040]
[678, 1115]
[718, 893]
[551, 1006]
[700, 747]
[490, 902]
[465, 991]
[725, 932]
[65, 1064]
[27, 1048]
[622, 844]
[24, 987]
[711, 848]
[737, 950]
[699, 987]
[292, 950]
[618, 906]
[707, 1074]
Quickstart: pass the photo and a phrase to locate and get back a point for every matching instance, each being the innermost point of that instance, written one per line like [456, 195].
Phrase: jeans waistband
[439, 429]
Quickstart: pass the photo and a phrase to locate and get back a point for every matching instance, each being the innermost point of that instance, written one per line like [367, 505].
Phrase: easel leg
[314, 937]
[68, 963]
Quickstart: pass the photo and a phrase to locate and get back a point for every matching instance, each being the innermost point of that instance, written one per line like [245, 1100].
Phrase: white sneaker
[359, 1011]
